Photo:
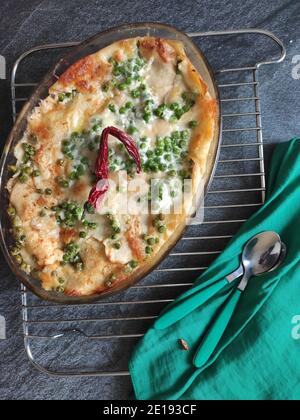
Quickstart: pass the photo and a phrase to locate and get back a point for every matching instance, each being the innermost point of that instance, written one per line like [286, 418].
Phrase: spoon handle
[216, 331]
[188, 305]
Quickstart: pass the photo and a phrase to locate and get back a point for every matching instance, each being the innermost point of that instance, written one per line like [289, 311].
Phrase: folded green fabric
[257, 358]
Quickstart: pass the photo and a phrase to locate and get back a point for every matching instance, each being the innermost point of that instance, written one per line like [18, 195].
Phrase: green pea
[184, 155]
[151, 241]
[36, 173]
[92, 225]
[117, 71]
[160, 192]
[26, 158]
[162, 229]
[128, 105]
[150, 153]
[112, 108]
[12, 168]
[182, 144]
[131, 129]
[146, 116]
[185, 135]
[183, 173]
[122, 110]
[173, 194]
[136, 93]
[64, 183]
[162, 167]
[167, 148]
[133, 264]
[89, 208]
[193, 124]
[152, 166]
[159, 112]
[122, 86]
[82, 235]
[25, 267]
[18, 259]
[61, 97]
[168, 158]
[175, 136]
[148, 250]
[11, 211]
[176, 151]
[28, 170]
[23, 178]
[96, 126]
[117, 245]
[80, 170]
[116, 228]
[174, 106]
[15, 251]
[179, 113]
[185, 109]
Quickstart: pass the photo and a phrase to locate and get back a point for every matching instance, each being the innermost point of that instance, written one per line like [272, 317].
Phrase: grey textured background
[26, 24]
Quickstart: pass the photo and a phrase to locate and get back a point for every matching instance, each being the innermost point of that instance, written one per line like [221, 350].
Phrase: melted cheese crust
[110, 87]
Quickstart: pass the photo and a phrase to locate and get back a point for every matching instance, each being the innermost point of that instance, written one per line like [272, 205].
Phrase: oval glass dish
[88, 47]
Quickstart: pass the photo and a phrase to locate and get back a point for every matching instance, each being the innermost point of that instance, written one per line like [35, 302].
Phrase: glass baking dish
[87, 47]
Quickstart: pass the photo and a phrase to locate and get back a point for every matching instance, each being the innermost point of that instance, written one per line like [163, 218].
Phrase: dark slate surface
[26, 24]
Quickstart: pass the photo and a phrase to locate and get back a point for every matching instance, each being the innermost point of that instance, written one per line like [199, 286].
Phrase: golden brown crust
[81, 73]
[148, 46]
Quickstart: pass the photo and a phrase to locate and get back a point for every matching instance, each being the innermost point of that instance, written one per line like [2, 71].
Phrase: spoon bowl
[281, 258]
[262, 253]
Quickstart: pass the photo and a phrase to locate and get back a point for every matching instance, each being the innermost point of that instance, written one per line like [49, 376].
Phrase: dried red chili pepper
[101, 170]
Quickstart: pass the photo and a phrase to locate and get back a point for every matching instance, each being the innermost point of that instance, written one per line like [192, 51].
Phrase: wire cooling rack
[97, 339]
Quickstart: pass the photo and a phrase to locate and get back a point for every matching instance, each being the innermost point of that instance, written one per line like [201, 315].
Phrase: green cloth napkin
[257, 358]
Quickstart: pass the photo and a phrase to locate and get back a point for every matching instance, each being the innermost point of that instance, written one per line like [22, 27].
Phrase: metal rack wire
[97, 339]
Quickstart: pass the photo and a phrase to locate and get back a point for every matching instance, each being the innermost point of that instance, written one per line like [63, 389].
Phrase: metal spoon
[201, 293]
[261, 254]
